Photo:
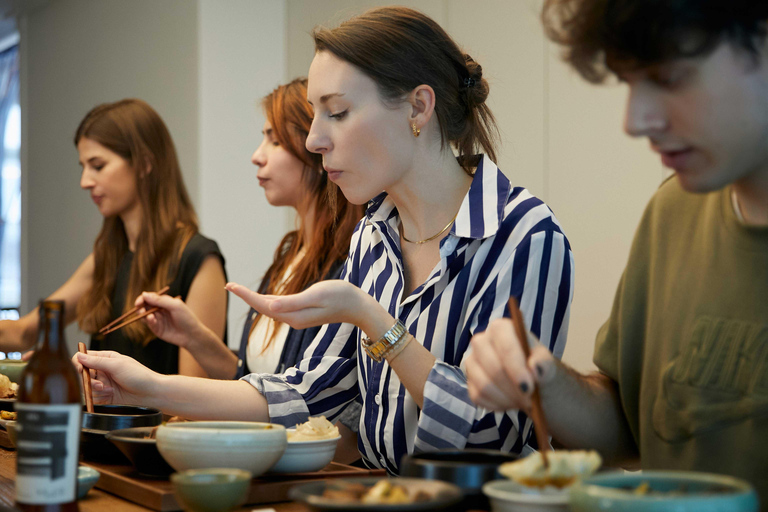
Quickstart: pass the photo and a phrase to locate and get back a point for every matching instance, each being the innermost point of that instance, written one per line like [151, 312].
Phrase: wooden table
[99, 501]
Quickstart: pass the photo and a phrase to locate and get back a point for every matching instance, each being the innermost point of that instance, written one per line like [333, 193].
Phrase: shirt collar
[481, 211]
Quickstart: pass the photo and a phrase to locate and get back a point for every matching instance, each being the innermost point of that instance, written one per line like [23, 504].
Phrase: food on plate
[8, 389]
[315, 429]
[384, 492]
[565, 467]
[8, 415]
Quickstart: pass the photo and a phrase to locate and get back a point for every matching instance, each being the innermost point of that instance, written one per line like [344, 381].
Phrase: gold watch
[378, 350]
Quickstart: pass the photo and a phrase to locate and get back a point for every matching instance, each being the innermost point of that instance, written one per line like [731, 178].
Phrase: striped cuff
[286, 405]
[448, 413]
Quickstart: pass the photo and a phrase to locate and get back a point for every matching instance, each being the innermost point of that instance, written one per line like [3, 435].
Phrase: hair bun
[474, 84]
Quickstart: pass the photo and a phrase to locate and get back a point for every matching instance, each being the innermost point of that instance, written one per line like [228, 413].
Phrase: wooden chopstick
[537, 412]
[108, 328]
[130, 321]
[86, 381]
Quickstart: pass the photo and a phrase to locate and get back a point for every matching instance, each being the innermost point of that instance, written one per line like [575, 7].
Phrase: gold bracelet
[398, 347]
[377, 350]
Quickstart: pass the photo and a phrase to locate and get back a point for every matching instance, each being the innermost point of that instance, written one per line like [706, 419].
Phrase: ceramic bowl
[104, 418]
[509, 496]
[306, 456]
[681, 491]
[10, 427]
[86, 479]
[254, 447]
[211, 490]
[12, 369]
[140, 446]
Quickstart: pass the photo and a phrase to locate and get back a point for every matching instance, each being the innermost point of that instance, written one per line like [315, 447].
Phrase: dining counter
[98, 501]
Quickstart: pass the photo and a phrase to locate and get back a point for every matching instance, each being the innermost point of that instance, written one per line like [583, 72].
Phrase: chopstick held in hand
[537, 412]
[86, 381]
[110, 327]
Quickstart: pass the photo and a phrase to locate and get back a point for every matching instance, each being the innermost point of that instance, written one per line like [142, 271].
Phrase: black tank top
[157, 355]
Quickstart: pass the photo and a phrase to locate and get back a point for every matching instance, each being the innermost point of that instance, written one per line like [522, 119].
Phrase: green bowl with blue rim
[655, 491]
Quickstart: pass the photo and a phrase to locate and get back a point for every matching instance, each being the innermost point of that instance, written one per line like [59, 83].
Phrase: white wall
[74, 55]
[242, 58]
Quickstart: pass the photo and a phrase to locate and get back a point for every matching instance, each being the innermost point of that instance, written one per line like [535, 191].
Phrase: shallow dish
[252, 446]
[140, 447]
[86, 479]
[703, 492]
[93, 444]
[211, 490]
[306, 456]
[443, 495]
[510, 496]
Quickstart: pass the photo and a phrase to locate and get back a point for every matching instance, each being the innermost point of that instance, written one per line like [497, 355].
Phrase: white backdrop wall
[205, 64]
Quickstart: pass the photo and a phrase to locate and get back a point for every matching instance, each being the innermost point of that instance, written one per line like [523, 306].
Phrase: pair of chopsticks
[111, 327]
[537, 413]
[86, 381]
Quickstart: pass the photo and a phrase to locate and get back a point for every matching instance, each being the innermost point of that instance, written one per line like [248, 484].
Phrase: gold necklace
[402, 234]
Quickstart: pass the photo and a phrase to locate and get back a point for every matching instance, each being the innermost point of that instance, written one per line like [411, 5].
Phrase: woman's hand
[174, 322]
[326, 302]
[115, 378]
[498, 376]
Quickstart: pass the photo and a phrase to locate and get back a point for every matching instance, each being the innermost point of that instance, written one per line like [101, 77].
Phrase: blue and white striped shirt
[504, 242]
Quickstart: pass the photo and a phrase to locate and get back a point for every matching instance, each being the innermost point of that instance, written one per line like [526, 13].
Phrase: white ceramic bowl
[509, 496]
[254, 447]
[306, 456]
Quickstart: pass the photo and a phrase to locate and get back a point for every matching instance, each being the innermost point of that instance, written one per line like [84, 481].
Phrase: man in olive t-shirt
[683, 358]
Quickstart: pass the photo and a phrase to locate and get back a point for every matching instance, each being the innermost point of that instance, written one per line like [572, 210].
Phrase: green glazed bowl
[12, 369]
[86, 479]
[680, 491]
[211, 490]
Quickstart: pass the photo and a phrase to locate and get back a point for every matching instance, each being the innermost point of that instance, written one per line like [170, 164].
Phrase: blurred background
[204, 65]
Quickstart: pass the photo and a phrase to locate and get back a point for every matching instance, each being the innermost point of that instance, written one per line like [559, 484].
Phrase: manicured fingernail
[539, 370]
[524, 387]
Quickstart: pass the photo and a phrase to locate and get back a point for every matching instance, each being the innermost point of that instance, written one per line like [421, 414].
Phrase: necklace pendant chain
[419, 242]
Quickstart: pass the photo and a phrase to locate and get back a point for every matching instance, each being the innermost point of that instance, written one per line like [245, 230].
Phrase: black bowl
[141, 450]
[105, 418]
[468, 469]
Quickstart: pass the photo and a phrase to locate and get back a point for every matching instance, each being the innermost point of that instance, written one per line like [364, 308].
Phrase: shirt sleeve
[324, 382]
[539, 273]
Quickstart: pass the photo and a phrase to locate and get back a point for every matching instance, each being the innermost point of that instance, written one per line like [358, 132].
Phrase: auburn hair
[290, 116]
[401, 48]
[134, 131]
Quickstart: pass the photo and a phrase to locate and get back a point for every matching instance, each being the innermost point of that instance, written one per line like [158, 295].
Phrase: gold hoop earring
[416, 131]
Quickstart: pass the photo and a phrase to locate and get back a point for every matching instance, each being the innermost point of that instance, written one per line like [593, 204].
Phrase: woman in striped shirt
[434, 260]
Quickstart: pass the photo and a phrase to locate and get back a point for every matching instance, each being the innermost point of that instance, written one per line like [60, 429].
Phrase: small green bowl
[86, 479]
[12, 369]
[680, 491]
[211, 490]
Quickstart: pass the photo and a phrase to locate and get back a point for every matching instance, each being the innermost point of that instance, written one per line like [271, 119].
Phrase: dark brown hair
[134, 131]
[596, 33]
[400, 49]
[290, 116]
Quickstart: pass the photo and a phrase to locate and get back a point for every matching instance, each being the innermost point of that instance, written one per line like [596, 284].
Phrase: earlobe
[422, 100]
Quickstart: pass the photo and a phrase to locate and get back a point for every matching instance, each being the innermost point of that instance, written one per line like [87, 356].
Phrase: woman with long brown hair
[149, 239]
[315, 251]
[445, 243]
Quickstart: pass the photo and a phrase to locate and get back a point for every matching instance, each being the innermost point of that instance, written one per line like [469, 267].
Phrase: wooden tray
[157, 494]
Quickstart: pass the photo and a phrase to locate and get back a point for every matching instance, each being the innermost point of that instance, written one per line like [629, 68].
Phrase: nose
[259, 157]
[317, 140]
[645, 113]
[86, 180]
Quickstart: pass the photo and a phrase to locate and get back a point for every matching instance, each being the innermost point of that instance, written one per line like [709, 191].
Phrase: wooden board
[157, 494]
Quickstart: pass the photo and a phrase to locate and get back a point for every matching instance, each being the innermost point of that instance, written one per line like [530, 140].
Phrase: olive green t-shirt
[687, 340]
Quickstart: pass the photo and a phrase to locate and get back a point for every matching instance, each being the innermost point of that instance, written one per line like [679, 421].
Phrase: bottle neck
[51, 332]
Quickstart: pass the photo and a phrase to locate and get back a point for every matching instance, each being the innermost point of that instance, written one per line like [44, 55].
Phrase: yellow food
[8, 389]
[315, 429]
[565, 467]
[8, 415]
